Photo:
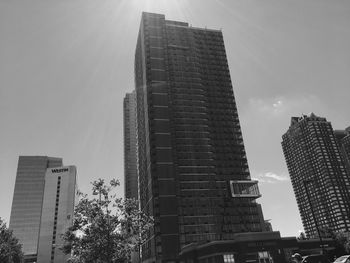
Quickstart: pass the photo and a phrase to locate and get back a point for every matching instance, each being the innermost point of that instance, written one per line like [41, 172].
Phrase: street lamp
[306, 182]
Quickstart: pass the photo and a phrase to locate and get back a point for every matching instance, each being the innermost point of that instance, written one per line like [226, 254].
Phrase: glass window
[265, 257]
[229, 258]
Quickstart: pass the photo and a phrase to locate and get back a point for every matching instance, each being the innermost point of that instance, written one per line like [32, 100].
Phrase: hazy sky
[66, 65]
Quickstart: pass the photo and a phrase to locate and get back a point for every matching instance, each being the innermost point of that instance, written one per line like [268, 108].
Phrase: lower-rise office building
[57, 213]
[28, 200]
[41, 200]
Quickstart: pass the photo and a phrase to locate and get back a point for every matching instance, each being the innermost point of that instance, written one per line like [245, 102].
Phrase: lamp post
[306, 182]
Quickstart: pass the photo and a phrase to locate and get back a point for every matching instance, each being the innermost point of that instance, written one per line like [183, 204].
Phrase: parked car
[343, 259]
[315, 259]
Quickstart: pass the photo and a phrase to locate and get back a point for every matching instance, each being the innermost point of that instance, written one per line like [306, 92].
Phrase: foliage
[106, 228]
[10, 249]
[342, 240]
[302, 236]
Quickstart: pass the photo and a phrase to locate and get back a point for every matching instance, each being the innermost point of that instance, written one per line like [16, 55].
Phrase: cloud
[271, 107]
[276, 176]
[270, 177]
[283, 106]
[277, 104]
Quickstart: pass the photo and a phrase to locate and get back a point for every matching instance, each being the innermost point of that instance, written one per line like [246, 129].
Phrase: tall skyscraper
[30, 214]
[193, 171]
[317, 170]
[130, 147]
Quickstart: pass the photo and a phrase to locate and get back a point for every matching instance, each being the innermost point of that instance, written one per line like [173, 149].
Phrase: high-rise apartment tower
[318, 173]
[193, 171]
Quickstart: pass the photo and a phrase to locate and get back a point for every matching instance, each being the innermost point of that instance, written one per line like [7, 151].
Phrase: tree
[10, 249]
[341, 239]
[105, 229]
[301, 236]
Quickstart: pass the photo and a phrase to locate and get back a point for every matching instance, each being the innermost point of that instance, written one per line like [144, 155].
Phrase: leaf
[110, 227]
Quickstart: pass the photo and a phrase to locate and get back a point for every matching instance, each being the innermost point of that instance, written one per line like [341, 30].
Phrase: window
[265, 257]
[229, 258]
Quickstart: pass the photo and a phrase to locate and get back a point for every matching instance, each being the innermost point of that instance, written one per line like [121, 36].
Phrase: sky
[65, 67]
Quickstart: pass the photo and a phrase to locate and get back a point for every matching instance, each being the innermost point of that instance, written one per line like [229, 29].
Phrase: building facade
[130, 147]
[318, 174]
[246, 246]
[192, 166]
[343, 137]
[57, 213]
[28, 200]
[42, 206]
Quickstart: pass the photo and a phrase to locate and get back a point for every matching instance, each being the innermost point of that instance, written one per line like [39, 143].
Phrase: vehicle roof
[314, 256]
[311, 258]
[344, 256]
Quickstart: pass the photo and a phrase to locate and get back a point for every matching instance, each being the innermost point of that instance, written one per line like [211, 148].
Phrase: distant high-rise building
[130, 147]
[343, 137]
[319, 177]
[192, 166]
[31, 203]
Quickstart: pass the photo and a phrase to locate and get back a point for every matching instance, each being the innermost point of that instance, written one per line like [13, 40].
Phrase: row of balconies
[200, 193]
[214, 67]
[191, 128]
[190, 109]
[190, 86]
[185, 79]
[220, 136]
[179, 97]
[210, 54]
[213, 41]
[204, 89]
[201, 185]
[199, 238]
[189, 121]
[195, 162]
[182, 149]
[188, 95]
[192, 134]
[190, 116]
[222, 144]
[210, 111]
[215, 75]
[208, 59]
[184, 73]
[196, 169]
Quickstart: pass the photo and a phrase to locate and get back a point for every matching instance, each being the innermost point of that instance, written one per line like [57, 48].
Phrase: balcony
[245, 189]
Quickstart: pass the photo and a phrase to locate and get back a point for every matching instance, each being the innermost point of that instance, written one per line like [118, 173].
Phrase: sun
[167, 7]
